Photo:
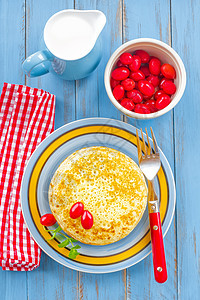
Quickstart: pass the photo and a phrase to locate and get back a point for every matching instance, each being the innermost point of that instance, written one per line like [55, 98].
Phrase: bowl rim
[165, 47]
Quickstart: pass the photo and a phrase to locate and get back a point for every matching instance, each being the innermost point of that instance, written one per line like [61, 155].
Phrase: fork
[149, 162]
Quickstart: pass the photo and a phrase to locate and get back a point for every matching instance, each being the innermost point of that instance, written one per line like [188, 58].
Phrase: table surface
[175, 22]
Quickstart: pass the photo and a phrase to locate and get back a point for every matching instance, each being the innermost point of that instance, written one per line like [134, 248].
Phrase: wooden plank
[112, 39]
[86, 88]
[50, 280]
[152, 19]
[185, 40]
[102, 286]
[12, 41]
[92, 100]
[12, 53]
[10, 283]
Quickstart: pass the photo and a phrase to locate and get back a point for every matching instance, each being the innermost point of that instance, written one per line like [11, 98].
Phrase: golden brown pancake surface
[109, 184]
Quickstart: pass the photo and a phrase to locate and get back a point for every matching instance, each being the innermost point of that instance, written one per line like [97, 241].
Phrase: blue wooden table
[177, 23]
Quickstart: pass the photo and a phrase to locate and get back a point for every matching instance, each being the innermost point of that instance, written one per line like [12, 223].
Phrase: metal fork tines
[149, 159]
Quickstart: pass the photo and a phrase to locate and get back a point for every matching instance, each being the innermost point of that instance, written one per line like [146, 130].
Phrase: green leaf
[57, 229]
[73, 240]
[53, 236]
[76, 247]
[53, 230]
[64, 244]
[73, 253]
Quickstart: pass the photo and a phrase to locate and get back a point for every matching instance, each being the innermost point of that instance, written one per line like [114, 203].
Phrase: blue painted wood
[50, 280]
[12, 53]
[112, 39]
[87, 88]
[151, 19]
[126, 20]
[187, 144]
[12, 49]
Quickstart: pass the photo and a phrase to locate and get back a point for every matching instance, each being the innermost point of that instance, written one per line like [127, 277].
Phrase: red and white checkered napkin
[26, 118]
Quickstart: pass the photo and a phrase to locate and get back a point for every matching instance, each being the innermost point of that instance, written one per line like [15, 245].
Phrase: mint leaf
[76, 247]
[64, 244]
[73, 240]
[57, 229]
[73, 253]
[53, 230]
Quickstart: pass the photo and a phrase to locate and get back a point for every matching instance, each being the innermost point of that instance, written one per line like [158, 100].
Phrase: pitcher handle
[34, 65]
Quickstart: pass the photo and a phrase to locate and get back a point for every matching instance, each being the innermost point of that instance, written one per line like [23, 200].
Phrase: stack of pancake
[109, 184]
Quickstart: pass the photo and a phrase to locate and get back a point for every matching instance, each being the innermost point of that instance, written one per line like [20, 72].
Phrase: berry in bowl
[145, 78]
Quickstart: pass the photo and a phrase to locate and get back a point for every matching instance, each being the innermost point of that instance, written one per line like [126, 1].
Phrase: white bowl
[155, 48]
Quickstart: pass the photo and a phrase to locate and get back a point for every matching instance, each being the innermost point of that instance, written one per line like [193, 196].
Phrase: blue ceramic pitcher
[71, 45]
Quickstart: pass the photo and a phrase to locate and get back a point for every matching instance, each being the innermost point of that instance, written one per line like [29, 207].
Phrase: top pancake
[109, 184]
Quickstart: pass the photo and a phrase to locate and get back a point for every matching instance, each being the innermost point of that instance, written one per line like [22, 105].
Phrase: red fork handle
[159, 263]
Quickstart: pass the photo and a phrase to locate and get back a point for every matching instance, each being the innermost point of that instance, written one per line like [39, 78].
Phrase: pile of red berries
[141, 83]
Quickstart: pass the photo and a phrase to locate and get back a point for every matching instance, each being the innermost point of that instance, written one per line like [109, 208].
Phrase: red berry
[135, 95]
[146, 88]
[143, 55]
[47, 220]
[145, 70]
[114, 83]
[128, 84]
[151, 105]
[151, 101]
[120, 64]
[158, 93]
[168, 71]
[76, 210]
[135, 65]
[142, 109]
[154, 66]
[87, 220]
[146, 97]
[153, 79]
[126, 58]
[151, 57]
[162, 82]
[136, 85]
[160, 75]
[138, 75]
[163, 101]
[120, 73]
[118, 92]
[169, 87]
[127, 103]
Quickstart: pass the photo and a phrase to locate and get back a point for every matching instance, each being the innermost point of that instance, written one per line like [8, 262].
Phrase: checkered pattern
[26, 118]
